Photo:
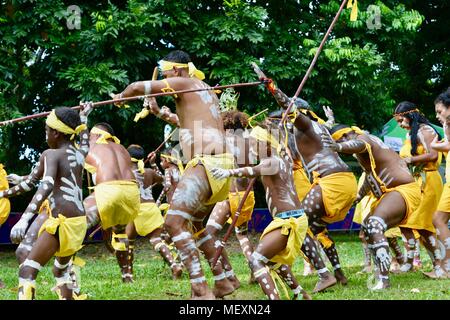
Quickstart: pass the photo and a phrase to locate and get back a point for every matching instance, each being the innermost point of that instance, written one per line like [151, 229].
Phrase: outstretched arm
[266, 167]
[352, 146]
[48, 161]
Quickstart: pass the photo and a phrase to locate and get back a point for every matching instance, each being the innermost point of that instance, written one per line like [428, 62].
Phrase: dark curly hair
[235, 120]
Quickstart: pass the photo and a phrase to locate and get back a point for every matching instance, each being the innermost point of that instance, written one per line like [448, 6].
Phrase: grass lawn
[101, 277]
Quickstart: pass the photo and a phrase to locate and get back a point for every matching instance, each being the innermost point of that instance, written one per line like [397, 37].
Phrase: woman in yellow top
[424, 162]
[440, 219]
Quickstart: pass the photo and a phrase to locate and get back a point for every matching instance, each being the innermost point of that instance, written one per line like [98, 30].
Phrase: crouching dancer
[390, 181]
[62, 234]
[281, 241]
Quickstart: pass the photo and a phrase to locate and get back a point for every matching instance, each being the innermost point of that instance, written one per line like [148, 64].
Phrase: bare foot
[381, 285]
[395, 267]
[340, 277]
[325, 282]
[206, 294]
[2, 285]
[436, 274]
[235, 282]
[252, 279]
[127, 278]
[177, 271]
[223, 288]
[305, 296]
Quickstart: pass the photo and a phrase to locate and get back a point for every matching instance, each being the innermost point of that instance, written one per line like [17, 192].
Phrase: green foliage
[362, 72]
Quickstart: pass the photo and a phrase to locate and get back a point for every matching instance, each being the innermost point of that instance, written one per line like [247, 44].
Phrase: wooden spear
[313, 62]
[233, 223]
[102, 103]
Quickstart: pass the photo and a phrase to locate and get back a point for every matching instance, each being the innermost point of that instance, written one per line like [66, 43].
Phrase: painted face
[50, 137]
[441, 112]
[403, 122]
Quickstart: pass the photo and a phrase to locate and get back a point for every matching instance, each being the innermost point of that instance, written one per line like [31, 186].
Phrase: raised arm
[84, 135]
[351, 147]
[49, 164]
[163, 113]
[265, 168]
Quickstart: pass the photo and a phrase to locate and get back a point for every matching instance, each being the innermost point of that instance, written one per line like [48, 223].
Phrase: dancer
[389, 179]
[62, 234]
[115, 201]
[149, 221]
[202, 140]
[281, 241]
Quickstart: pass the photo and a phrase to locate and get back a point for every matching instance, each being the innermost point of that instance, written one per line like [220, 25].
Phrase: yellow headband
[140, 164]
[338, 134]
[176, 160]
[312, 113]
[193, 71]
[263, 135]
[56, 124]
[104, 136]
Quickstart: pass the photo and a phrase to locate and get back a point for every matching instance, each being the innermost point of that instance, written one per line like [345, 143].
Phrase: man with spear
[202, 140]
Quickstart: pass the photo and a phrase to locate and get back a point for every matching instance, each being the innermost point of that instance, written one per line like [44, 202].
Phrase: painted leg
[160, 246]
[207, 244]
[30, 238]
[262, 275]
[329, 247]
[247, 248]
[430, 243]
[285, 272]
[61, 273]
[374, 230]
[417, 262]
[121, 244]
[176, 225]
[398, 255]
[440, 221]
[326, 279]
[410, 243]
[367, 255]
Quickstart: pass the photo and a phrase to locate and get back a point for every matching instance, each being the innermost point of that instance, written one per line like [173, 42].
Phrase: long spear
[102, 103]
[233, 223]
[313, 62]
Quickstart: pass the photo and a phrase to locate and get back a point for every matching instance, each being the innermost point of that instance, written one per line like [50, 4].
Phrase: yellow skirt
[338, 194]
[149, 219]
[422, 217]
[295, 228]
[118, 202]
[444, 202]
[247, 208]
[301, 182]
[5, 206]
[71, 233]
[219, 187]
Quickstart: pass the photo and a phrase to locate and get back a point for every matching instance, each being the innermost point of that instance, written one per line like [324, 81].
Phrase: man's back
[112, 161]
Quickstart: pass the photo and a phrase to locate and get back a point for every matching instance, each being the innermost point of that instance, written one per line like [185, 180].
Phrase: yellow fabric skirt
[363, 210]
[338, 194]
[411, 194]
[5, 205]
[422, 217]
[118, 202]
[219, 187]
[301, 182]
[71, 233]
[295, 228]
[149, 219]
[444, 202]
[247, 208]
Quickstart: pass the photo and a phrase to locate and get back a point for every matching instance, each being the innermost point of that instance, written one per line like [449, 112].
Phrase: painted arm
[352, 146]
[49, 162]
[363, 191]
[86, 109]
[330, 116]
[266, 167]
[163, 113]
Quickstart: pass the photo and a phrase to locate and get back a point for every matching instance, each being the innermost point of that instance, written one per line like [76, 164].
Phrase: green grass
[101, 277]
